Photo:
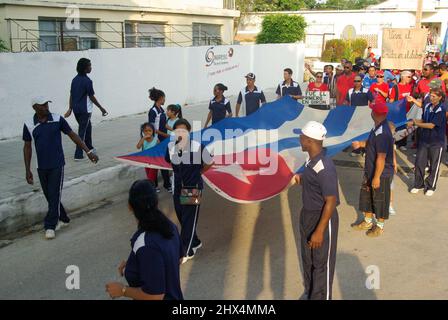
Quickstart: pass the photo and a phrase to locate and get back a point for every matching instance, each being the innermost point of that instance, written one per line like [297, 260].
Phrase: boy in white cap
[45, 129]
[319, 221]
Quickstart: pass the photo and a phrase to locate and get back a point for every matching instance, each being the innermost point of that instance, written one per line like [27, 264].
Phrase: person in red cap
[380, 89]
[378, 173]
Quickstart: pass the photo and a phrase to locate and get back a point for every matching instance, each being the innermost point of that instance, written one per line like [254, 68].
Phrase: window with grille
[206, 34]
[55, 35]
[141, 35]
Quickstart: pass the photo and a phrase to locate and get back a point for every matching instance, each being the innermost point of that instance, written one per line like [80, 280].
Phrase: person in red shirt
[380, 89]
[423, 85]
[344, 83]
[402, 89]
[318, 85]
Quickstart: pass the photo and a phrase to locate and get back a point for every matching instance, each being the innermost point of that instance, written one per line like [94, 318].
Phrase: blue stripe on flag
[338, 119]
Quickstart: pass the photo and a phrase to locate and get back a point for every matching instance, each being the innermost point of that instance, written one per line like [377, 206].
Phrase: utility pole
[418, 15]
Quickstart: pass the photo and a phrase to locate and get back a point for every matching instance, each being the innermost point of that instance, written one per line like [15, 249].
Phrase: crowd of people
[158, 250]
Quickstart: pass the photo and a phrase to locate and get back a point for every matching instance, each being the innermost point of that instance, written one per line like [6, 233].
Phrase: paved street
[250, 251]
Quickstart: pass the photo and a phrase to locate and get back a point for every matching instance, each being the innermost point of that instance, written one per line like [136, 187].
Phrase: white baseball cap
[39, 100]
[314, 130]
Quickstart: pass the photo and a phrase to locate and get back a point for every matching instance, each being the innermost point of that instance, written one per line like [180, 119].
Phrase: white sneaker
[61, 225]
[415, 190]
[403, 148]
[392, 211]
[352, 154]
[429, 193]
[186, 259]
[199, 246]
[50, 234]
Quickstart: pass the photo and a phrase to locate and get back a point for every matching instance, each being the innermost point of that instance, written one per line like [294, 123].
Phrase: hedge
[282, 28]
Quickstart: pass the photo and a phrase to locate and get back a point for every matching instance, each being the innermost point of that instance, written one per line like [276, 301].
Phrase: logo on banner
[212, 58]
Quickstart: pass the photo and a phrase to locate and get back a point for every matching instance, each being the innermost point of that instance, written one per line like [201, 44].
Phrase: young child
[147, 141]
[392, 211]
[174, 113]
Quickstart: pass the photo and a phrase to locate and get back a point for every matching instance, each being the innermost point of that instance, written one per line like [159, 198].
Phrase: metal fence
[56, 34]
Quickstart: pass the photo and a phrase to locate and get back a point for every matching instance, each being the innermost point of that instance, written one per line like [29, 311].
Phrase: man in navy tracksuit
[45, 129]
[319, 221]
[82, 98]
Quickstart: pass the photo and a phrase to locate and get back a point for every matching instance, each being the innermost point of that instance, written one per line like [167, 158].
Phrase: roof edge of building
[227, 13]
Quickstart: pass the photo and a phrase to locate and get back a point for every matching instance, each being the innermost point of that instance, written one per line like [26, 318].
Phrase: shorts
[376, 201]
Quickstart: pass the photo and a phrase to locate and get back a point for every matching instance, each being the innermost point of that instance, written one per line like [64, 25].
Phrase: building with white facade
[51, 25]
[328, 24]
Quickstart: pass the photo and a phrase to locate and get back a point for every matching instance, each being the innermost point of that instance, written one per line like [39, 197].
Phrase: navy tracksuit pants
[188, 217]
[318, 264]
[51, 181]
[425, 154]
[84, 132]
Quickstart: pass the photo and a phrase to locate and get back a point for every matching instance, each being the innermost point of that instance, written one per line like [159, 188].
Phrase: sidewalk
[22, 205]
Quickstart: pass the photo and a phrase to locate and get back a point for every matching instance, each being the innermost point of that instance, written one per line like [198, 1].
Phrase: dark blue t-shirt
[157, 117]
[319, 180]
[380, 141]
[434, 137]
[81, 90]
[252, 99]
[219, 109]
[153, 264]
[187, 165]
[293, 89]
[47, 140]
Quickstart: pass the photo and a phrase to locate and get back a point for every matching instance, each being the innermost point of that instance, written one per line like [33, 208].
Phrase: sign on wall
[403, 48]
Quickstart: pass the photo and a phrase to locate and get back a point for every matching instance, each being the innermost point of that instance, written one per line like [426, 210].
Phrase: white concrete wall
[122, 77]
[364, 21]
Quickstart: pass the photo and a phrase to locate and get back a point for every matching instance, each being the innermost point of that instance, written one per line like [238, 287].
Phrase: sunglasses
[380, 76]
[346, 67]
[319, 77]
[357, 81]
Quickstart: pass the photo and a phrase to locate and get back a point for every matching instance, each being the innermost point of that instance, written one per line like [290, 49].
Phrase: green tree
[293, 5]
[272, 5]
[282, 28]
[337, 49]
[350, 4]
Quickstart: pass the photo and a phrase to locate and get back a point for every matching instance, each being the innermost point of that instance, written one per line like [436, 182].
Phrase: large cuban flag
[263, 153]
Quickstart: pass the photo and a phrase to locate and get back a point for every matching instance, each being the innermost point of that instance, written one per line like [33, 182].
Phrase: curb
[25, 210]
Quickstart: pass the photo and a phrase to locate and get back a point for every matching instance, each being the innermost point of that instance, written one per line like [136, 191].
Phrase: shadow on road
[267, 251]
[351, 277]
